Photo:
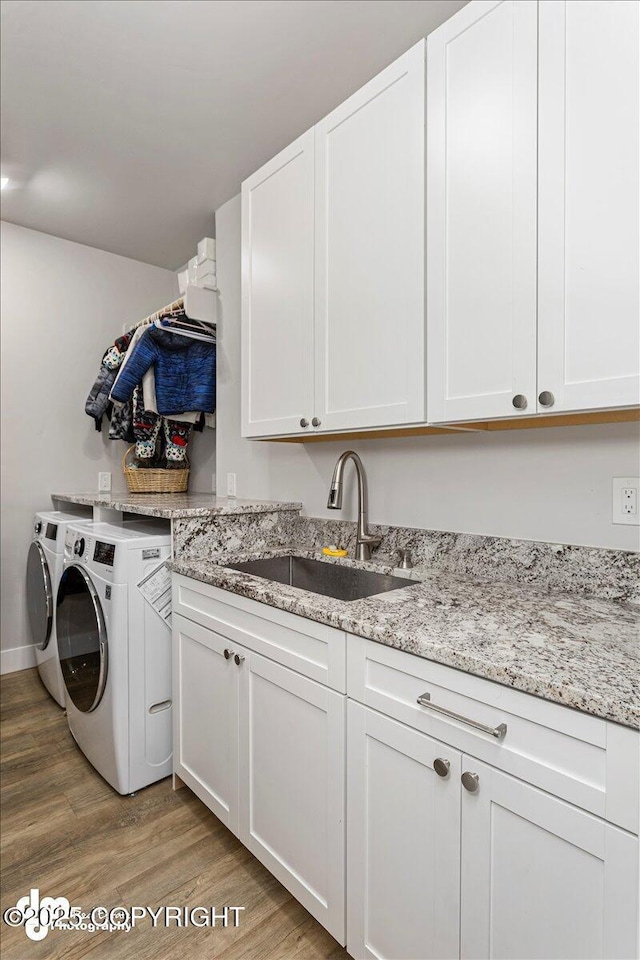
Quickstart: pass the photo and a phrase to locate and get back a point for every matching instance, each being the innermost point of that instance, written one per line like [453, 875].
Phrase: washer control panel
[104, 553]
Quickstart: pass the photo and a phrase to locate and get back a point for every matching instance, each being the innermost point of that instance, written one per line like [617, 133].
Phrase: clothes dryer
[115, 652]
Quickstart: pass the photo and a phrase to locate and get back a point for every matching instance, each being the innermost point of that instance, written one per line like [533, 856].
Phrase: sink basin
[328, 579]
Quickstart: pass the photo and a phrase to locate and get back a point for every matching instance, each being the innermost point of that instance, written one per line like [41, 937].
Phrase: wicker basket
[154, 480]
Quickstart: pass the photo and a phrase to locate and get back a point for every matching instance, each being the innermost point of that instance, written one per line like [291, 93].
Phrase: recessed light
[3, 182]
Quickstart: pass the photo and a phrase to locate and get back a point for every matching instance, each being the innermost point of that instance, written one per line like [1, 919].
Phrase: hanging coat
[185, 372]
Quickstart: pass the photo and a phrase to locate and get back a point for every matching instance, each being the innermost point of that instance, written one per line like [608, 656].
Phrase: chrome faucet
[364, 540]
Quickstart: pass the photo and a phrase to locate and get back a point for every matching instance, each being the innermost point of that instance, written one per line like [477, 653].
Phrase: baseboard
[17, 658]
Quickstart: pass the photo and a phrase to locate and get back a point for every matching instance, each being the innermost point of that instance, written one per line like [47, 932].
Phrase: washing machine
[115, 651]
[44, 569]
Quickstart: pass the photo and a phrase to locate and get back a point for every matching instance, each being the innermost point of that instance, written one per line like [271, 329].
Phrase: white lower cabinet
[465, 860]
[205, 734]
[292, 739]
[403, 841]
[263, 747]
[540, 877]
[468, 860]
[475, 822]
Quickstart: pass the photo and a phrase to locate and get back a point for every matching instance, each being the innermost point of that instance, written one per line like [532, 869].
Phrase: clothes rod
[198, 303]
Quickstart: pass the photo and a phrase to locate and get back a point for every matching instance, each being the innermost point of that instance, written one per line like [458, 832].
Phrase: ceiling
[127, 123]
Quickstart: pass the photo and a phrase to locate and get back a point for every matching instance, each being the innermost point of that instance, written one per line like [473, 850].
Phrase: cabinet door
[589, 326]
[205, 738]
[292, 784]
[481, 212]
[403, 842]
[277, 293]
[541, 878]
[370, 360]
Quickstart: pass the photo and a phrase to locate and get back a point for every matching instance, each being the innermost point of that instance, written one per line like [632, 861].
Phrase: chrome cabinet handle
[546, 398]
[519, 401]
[498, 732]
[316, 422]
[228, 654]
[470, 781]
[304, 422]
[441, 767]
[238, 659]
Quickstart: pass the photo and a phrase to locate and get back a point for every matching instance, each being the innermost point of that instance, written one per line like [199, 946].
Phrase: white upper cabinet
[333, 250]
[588, 312]
[370, 310]
[481, 203]
[492, 350]
[525, 249]
[277, 293]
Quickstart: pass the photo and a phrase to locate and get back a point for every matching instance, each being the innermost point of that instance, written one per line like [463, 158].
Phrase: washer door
[39, 596]
[82, 639]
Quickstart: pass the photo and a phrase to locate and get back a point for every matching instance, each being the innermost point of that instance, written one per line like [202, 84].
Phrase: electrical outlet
[629, 501]
[624, 500]
[104, 482]
[231, 484]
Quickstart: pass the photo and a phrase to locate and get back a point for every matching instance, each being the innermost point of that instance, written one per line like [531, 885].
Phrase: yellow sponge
[334, 552]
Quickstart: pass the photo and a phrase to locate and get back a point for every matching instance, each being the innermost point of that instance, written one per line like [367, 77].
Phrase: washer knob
[37, 527]
[78, 547]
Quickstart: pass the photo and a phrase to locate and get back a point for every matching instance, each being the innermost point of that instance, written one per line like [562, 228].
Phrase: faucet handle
[403, 556]
[369, 538]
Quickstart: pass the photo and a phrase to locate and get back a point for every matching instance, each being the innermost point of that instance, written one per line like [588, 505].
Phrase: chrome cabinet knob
[316, 422]
[546, 399]
[238, 659]
[441, 767]
[470, 781]
[228, 654]
[304, 422]
[519, 401]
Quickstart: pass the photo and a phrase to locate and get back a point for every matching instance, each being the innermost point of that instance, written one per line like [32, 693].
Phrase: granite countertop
[579, 652]
[173, 505]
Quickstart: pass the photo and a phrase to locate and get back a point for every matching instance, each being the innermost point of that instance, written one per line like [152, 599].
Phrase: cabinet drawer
[588, 761]
[312, 649]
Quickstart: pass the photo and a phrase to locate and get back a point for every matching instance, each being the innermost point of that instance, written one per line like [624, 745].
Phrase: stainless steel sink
[328, 579]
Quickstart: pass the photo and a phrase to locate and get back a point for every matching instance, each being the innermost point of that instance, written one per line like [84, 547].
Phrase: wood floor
[66, 832]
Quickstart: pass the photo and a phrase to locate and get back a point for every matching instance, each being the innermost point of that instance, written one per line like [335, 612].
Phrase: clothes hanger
[183, 331]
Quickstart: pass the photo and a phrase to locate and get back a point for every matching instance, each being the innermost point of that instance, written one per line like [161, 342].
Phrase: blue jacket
[185, 372]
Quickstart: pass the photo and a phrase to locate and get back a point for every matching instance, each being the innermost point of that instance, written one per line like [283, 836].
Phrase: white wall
[552, 484]
[62, 304]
